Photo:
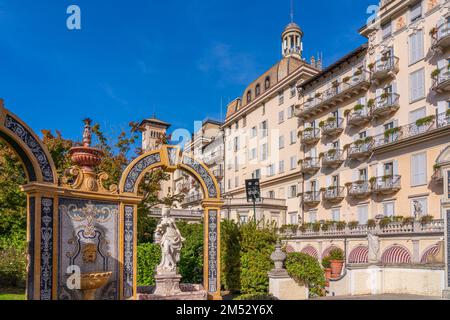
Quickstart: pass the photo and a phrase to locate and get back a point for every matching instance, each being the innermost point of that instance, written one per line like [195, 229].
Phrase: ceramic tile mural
[88, 237]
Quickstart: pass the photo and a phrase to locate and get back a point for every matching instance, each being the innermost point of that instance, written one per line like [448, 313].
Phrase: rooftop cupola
[292, 41]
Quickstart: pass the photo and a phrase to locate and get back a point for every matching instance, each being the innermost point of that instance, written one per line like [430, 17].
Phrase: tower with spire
[292, 38]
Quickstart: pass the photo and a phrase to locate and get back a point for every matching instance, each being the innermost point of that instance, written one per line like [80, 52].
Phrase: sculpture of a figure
[418, 209]
[374, 247]
[169, 238]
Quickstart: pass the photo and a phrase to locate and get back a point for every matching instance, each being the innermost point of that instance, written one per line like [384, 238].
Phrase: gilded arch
[170, 159]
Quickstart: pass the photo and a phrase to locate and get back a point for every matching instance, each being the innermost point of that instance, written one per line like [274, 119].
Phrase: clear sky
[178, 59]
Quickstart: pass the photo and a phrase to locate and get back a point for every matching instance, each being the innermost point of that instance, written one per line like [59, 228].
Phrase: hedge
[306, 270]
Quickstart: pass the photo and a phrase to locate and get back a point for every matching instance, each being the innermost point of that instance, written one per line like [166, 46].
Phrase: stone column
[416, 251]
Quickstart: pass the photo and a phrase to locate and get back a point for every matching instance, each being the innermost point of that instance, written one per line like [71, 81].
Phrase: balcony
[384, 68]
[334, 194]
[311, 198]
[361, 149]
[333, 158]
[310, 136]
[194, 199]
[387, 185]
[332, 127]
[419, 128]
[437, 176]
[359, 189]
[310, 165]
[441, 80]
[352, 86]
[359, 116]
[385, 105]
[441, 37]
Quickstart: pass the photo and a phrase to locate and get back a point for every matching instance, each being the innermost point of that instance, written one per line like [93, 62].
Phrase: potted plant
[373, 180]
[347, 112]
[433, 31]
[370, 66]
[391, 132]
[358, 107]
[426, 219]
[371, 224]
[425, 121]
[316, 227]
[408, 220]
[385, 222]
[447, 113]
[357, 73]
[336, 262]
[353, 224]
[318, 95]
[341, 225]
[309, 129]
[326, 264]
[346, 79]
[398, 218]
[385, 95]
[435, 73]
[370, 103]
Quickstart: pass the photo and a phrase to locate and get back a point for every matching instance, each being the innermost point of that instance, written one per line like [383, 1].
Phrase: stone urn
[278, 257]
[91, 282]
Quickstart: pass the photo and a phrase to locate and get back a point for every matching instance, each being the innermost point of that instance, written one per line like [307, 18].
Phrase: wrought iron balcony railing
[441, 36]
[330, 97]
[311, 197]
[333, 158]
[310, 136]
[361, 149]
[420, 127]
[334, 194]
[332, 127]
[387, 184]
[310, 165]
[441, 82]
[385, 104]
[384, 68]
[359, 117]
[359, 189]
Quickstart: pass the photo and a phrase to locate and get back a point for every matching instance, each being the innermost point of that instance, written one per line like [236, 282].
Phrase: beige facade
[378, 121]
[261, 137]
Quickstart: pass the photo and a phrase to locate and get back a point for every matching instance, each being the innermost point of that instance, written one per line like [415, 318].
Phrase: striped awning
[428, 253]
[396, 255]
[311, 251]
[359, 255]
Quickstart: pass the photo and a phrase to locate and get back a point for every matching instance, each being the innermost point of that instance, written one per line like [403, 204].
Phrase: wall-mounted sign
[253, 190]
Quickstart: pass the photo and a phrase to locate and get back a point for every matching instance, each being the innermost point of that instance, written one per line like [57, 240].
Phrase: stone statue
[169, 238]
[418, 210]
[374, 247]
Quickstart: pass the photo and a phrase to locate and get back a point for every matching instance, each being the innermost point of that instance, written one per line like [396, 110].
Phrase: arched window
[249, 96]
[267, 83]
[258, 90]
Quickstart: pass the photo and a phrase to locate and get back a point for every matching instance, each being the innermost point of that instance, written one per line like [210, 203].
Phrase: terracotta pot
[327, 276]
[336, 268]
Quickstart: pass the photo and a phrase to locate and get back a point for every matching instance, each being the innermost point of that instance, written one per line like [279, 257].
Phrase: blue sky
[178, 59]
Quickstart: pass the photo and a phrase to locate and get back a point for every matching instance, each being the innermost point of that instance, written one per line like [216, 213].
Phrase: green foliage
[385, 222]
[425, 121]
[336, 254]
[230, 256]
[353, 224]
[326, 262]
[145, 227]
[12, 267]
[149, 256]
[255, 297]
[426, 219]
[191, 261]
[306, 270]
[371, 223]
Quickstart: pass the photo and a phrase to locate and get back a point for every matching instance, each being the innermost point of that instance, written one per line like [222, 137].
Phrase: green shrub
[255, 297]
[306, 270]
[230, 256]
[326, 262]
[336, 254]
[149, 256]
[13, 267]
[191, 260]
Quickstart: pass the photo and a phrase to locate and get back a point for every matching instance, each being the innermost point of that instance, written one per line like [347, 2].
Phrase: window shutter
[308, 187]
[442, 63]
[380, 170]
[442, 107]
[396, 171]
[355, 175]
[421, 83]
[412, 49]
[420, 45]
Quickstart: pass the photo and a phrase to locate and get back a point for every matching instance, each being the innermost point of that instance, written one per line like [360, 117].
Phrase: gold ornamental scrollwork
[78, 179]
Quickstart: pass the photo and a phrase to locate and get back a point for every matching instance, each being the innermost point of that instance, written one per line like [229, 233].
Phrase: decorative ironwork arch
[38, 163]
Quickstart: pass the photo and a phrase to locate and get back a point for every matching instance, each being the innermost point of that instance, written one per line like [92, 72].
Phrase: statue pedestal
[167, 285]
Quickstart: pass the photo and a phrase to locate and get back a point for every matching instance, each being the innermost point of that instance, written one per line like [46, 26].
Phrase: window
[293, 135]
[419, 169]
[363, 175]
[229, 183]
[291, 112]
[386, 30]
[280, 98]
[257, 90]
[281, 142]
[229, 146]
[256, 174]
[292, 192]
[236, 182]
[249, 96]
[417, 114]
[243, 218]
[267, 83]
[253, 154]
[417, 85]
[363, 215]
[244, 121]
[293, 91]
[271, 170]
[254, 132]
[293, 218]
[271, 194]
[264, 129]
[336, 214]
[237, 125]
[264, 152]
[263, 108]
[415, 12]
[236, 144]
[236, 163]
[281, 166]
[389, 209]
[416, 50]
[419, 207]
[312, 217]
[280, 117]
[293, 163]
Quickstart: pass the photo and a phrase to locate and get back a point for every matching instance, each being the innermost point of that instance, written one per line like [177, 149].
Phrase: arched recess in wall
[396, 254]
[311, 251]
[359, 255]
[429, 252]
[328, 250]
